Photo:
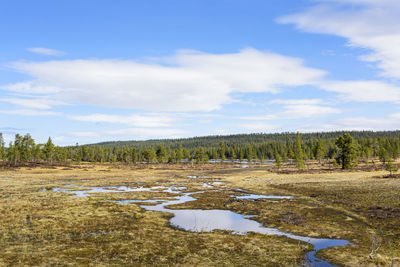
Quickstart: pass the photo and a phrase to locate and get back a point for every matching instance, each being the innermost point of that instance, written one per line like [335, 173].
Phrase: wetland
[103, 214]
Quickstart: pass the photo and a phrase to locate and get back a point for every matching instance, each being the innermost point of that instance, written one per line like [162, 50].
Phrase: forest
[282, 147]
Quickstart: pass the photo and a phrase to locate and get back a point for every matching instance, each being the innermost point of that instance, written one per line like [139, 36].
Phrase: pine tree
[383, 155]
[298, 152]
[391, 167]
[179, 154]
[161, 153]
[278, 161]
[222, 151]
[346, 151]
[320, 150]
[48, 150]
[133, 155]
[150, 155]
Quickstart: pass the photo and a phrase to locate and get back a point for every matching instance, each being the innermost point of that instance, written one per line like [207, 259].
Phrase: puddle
[239, 190]
[197, 177]
[252, 196]
[117, 189]
[138, 201]
[207, 185]
[210, 220]
[217, 183]
[197, 220]
[241, 166]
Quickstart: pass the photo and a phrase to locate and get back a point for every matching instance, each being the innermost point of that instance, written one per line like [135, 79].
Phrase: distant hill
[245, 139]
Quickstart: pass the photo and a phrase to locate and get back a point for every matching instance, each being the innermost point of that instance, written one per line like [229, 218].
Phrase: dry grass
[44, 228]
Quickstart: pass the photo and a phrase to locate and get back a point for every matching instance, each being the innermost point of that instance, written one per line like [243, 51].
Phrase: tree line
[344, 149]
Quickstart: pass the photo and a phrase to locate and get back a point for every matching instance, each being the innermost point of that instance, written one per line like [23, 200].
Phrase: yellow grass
[51, 228]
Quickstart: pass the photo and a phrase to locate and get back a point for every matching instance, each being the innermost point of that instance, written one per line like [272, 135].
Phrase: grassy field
[42, 227]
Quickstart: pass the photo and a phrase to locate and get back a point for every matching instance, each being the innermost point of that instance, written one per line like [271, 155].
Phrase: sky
[106, 70]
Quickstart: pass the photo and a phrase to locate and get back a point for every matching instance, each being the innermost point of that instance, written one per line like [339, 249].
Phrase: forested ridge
[282, 147]
[246, 139]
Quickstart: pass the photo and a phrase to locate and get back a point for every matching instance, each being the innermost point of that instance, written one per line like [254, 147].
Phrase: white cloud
[59, 138]
[45, 51]
[133, 120]
[312, 101]
[257, 126]
[296, 109]
[187, 81]
[306, 111]
[84, 134]
[30, 112]
[34, 103]
[389, 122]
[370, 24]
[364, 91]
[133, 133]
[31, 87]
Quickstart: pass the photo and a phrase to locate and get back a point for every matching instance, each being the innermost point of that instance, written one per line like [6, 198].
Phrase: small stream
[197, 220]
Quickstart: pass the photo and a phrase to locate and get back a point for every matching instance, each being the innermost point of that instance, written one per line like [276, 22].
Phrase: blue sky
[90, 71]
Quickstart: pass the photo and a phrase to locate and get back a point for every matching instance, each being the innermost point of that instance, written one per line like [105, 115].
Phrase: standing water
[197, 220]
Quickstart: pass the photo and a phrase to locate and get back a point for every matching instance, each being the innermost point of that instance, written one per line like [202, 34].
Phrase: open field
[42, 227]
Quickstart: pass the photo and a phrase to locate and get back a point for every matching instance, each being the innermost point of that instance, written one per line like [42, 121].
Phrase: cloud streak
[45, 51]
[132, 120]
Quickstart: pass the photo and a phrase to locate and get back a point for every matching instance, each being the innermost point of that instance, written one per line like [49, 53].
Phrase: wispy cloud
[132, 133]
[369, 24]
[30, 112]
[296, 109]
[34, 103]
[132, 120]
[364, 91]
[45, 51]
[257, 126]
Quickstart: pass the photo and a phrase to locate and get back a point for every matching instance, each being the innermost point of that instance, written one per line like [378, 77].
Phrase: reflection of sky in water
[252, 196]
[117, 189]
[197, 220]
[209, 220]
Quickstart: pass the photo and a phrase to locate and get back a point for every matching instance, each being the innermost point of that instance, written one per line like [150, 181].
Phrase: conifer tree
[161, 154]
[222, 151]
[320, 150]
[346, 151]
[133, 155]
[278, 161]
[179, 154]
[383, 155]
[48, 150]
[298, 152]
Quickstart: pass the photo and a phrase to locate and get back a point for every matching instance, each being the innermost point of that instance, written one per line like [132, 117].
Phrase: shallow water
[197, 220]
[117, 189]
[241, 166]
[252, 196]
[207, 185]
[197, 177]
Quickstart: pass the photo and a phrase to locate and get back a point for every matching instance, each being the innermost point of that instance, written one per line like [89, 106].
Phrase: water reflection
[252, 196]
[197, 220]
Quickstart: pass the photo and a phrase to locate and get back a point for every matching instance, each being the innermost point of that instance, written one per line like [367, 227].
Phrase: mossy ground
[41, 227]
